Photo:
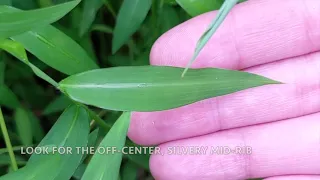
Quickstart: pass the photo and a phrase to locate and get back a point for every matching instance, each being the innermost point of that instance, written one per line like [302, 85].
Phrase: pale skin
[279, 39]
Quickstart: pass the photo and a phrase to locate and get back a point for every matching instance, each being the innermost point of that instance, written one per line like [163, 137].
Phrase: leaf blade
[131, 15]
[153, 88]
[213, 27]
[24, 127]
[8, 98]
[14, 23]
[36, 171]
[107, 166]
[88, 14]
[71, 130]
[57, 105]
[57, 50]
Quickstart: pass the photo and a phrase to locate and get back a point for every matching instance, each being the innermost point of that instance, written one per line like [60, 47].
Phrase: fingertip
[134, 129]
[278, 30]
[139, 129]
[163, 166]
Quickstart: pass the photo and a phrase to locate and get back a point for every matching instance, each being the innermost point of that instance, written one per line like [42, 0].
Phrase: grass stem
[8, 142]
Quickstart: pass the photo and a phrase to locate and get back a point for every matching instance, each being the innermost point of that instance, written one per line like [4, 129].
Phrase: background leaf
[13, 23]
[130, 17]
[36, 171]
[79, 172]
[57, 105]
[106, 166]
[24, 126]
[57, 50]
[195, 8]
[71, 130]
[153, 88]
[92, 141]
[37, 130]
[90, 8]
[8, 98]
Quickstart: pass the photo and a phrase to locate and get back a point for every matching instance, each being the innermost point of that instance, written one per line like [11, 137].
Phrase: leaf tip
[184, 72]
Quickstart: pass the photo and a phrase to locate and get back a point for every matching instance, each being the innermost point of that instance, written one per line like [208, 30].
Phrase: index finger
[255, 32]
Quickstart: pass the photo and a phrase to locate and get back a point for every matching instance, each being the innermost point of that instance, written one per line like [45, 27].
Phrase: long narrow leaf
[70, 131]
[57, 105]
[90, 8]
[45, 170]
[37, 130]
[14, 23]
[153, 88]
[54, 48]
[222, 14]
[106, 166]
[131, 15]
[8, 98]
[57, 50]
[23, 126]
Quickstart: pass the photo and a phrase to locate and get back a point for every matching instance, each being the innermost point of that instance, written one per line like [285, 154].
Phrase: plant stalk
[8, 142]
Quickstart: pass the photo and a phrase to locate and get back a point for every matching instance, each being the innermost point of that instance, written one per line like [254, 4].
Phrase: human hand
[279, 123]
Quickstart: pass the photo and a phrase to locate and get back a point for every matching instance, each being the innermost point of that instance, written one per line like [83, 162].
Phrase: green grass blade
[45, 170]
[57, 105]
[8, 98]
[106, 166]
[195, 8]
[55, 48]
[90, 9]
[23, 126]
[220, 17]
[80, 171]
[14, 23]
[37, 130]
[17, 50]
[154, 88]
[7, 141]
[92, 141]
[71, 130]
[131, 15]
